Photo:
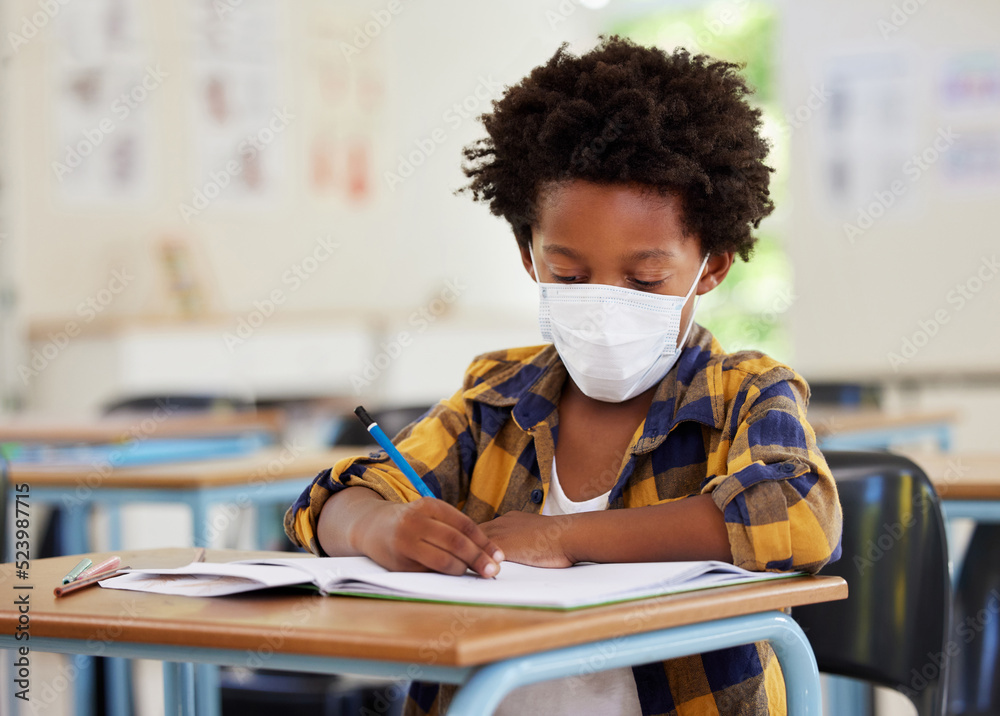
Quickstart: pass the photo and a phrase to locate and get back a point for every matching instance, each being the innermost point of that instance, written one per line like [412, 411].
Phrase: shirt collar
[690, 391]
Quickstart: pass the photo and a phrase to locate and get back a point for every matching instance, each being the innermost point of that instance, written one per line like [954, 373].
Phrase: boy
[630, 178]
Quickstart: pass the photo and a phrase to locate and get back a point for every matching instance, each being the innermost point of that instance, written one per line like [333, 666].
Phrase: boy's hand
[535, 540]
[427, 534]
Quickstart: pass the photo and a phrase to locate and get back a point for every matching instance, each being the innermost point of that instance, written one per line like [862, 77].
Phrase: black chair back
[893, 629]
[974, 689]
[391, 420]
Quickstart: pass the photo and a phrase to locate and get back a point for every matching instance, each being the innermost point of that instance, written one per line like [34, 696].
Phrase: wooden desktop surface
[49, 430]
[961, 476]
[355, 627]
[833, 421]
[265, 465]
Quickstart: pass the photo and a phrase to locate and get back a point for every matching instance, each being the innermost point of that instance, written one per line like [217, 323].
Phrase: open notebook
[517, 585]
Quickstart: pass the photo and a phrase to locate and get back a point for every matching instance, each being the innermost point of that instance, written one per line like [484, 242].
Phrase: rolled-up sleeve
[439, 447]
[778, 497]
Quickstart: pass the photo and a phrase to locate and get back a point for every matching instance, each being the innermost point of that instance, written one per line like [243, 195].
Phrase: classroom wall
[408, 257]
[421, 280]
[895, 134]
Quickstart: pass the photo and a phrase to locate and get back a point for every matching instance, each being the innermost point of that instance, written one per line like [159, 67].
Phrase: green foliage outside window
[746, 310]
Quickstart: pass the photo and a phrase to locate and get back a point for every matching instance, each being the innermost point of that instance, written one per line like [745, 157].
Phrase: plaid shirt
[732, 425]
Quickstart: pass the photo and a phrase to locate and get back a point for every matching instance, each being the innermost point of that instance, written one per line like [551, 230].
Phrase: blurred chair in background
[974, 688]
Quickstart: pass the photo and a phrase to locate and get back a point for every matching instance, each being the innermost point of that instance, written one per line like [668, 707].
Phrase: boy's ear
[715, 271]
[526, 261]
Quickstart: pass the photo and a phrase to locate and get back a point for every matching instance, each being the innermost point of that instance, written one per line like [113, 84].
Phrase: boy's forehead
[637, 220]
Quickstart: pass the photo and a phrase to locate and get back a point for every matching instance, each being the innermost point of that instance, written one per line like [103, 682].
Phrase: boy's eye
[647, 284]
[567, 279]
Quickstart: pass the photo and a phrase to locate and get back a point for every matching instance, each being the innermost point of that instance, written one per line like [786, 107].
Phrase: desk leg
[207, 682]
[171, 682]
[118, 679]
[199, 520]
[84, 684]
[186, 689]
[485, 689]
[207, 690]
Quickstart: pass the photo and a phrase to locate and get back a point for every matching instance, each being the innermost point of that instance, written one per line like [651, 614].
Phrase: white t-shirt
[601, 693]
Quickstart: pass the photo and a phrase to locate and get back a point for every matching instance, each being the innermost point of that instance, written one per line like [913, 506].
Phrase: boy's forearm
[688, 529]
[336, 530]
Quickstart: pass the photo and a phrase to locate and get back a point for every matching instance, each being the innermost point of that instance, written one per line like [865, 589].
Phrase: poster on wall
[240, 115]
[105, 86]
[968, 91]
[871, 125]
[346, 94]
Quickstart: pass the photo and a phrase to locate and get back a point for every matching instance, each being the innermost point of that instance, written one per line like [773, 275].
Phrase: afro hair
[623, 113]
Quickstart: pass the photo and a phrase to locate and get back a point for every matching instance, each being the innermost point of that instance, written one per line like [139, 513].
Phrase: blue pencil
[382, 439]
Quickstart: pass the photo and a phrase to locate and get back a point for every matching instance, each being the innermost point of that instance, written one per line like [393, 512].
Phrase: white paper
[516, 585]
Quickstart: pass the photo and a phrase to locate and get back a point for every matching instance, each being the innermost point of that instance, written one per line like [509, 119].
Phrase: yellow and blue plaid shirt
[732, 425]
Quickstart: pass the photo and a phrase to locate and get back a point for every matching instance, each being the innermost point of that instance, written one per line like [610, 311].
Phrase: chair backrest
[188, 403]
[974, 688]
[391, 420]
[893, 628]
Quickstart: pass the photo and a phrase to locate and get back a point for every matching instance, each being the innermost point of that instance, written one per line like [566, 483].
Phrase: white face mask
[615, 342]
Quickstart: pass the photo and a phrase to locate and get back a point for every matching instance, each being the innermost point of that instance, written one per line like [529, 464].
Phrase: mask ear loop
[534, 268]
[687, 331]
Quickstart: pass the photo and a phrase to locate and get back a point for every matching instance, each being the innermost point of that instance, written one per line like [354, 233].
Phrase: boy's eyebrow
[640, 255]
[644, 254]
[560, 249]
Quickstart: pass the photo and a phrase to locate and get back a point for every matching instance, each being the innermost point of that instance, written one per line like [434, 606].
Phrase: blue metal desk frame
[483, 687]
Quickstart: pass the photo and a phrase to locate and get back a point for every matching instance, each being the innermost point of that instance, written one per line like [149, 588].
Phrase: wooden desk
[969, 487]
[49, 430]
[268, 476]
[865, 428]
[961, 476]
[487, 649]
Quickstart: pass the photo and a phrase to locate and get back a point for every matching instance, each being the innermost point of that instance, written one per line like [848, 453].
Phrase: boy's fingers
[464, 524]
[446, 538]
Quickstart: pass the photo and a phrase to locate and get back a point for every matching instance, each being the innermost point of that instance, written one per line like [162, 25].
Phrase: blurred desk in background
[268, 476]
[968, 483]
[868, 428]
[52, 430]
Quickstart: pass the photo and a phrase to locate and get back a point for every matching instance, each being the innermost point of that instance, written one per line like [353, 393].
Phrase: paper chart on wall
[105, 86]
[345, 87]
[240, 118]
[968, 94]
[868, 133]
